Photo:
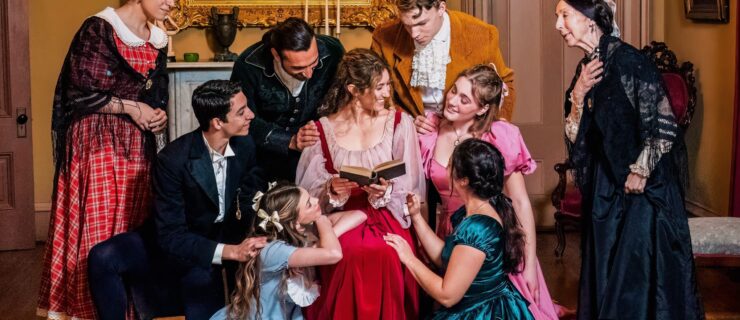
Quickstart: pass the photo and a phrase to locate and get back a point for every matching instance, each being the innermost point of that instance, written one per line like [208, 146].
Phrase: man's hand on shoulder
[248, 249]
[307, 136]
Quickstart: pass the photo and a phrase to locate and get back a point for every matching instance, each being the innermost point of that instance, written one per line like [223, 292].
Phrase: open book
[364, 176]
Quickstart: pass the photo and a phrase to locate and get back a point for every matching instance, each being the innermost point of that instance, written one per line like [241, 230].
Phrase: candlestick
[338, 16]
[305, 10]
[326, 17]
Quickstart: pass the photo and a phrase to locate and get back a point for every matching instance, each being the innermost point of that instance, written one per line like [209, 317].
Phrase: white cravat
[294, 85]
[429, 66]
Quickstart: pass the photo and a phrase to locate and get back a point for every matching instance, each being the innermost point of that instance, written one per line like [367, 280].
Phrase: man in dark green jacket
[285, 77]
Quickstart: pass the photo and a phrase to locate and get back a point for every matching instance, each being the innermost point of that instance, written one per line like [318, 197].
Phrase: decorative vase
[224, 27]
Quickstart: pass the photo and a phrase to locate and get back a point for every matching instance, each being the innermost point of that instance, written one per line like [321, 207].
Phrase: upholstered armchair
[679, 83]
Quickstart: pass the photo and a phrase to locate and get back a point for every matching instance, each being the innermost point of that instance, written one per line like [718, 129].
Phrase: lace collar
[429, 66]
[157, 36]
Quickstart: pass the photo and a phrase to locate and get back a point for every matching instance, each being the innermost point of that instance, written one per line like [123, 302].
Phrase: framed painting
[266, 13]
[708, 10]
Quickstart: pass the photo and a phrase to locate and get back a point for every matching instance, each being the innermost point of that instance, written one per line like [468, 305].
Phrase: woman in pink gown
[359, 128]
[470, 110]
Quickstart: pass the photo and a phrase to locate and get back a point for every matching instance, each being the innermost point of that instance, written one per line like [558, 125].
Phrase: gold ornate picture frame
[266, 13]
[708, 10]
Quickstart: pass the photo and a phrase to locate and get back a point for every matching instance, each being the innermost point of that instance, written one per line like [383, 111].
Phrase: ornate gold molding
[266, 13]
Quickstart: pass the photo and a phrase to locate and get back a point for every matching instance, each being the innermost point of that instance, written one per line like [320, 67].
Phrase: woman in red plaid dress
[108, 104]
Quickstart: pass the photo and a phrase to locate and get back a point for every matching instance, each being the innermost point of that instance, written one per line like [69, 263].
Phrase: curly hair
[359, 67]
[283, 198]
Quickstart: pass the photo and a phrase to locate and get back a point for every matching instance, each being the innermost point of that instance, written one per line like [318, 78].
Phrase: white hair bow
[274, 219]
[259, 194]
[256, 200]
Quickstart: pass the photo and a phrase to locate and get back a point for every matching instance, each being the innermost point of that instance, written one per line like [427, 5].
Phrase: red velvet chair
[679, 83]
[566, 198]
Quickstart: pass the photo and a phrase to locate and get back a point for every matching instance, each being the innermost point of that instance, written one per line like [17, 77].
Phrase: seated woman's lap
[369, 282]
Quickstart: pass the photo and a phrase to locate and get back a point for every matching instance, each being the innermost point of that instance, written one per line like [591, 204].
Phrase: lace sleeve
[573, 120]
[406, 147]
[311, 175]
[658, 128]
[573, 115]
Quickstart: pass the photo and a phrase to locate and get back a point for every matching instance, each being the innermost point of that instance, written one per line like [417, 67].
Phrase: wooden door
[543, 67]
[16, 169]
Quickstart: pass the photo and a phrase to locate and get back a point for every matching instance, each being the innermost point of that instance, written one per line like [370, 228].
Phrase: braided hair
[483, 166]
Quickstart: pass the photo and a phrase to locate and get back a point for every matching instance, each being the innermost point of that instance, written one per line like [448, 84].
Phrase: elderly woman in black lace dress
[626, 149]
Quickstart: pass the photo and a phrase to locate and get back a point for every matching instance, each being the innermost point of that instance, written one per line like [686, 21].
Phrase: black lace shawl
[93, 73]
[630, 120]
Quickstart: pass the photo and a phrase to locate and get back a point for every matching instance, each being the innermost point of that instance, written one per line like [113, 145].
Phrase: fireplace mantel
[184, 78]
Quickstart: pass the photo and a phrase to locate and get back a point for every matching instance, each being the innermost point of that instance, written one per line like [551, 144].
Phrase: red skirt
[369, 282]
[103, 192]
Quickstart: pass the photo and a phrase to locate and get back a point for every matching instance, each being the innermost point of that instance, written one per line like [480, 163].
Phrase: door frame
[17, 215]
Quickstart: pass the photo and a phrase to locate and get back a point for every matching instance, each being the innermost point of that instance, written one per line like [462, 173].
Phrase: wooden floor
[20, 273]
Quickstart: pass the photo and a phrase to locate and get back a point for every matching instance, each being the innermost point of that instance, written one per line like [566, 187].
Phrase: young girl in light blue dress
[277, 283]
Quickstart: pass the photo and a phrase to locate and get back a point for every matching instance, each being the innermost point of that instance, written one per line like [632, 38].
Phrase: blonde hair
[488, 91]
[283, 199]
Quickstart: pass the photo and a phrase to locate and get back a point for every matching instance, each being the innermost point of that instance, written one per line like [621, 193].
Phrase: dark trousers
[130, 266]
[426, 303]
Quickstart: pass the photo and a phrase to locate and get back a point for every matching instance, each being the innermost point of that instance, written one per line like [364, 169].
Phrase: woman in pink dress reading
[470, 111]
[359, 128]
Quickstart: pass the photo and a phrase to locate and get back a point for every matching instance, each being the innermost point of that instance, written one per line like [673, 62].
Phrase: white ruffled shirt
[157, 37]
[429, 66]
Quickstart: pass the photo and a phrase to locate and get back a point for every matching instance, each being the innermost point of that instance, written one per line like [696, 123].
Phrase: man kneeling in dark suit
[203, 185]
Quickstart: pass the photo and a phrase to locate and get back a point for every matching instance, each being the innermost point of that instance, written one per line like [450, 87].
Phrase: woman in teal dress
[486, 244]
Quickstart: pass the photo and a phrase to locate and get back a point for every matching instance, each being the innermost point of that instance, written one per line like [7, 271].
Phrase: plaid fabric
[103, 193]
[93, 73]
[142, 59]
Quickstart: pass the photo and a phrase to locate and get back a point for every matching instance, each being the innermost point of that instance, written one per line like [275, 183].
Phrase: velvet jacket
[186, 198]
[472, 42]
[277, 115]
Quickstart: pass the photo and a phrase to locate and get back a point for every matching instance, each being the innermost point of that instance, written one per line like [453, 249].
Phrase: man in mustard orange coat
[428, 46]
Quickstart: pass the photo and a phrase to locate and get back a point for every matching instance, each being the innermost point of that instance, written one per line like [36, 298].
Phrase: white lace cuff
[641, 166]
[303, 294]
[335, 201]
[382, 201]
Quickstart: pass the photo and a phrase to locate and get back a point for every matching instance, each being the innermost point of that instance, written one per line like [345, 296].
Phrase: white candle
[338, 16]
[326, 17]
[305, 10]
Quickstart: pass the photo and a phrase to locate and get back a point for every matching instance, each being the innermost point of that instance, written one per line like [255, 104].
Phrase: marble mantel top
[200, 65]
